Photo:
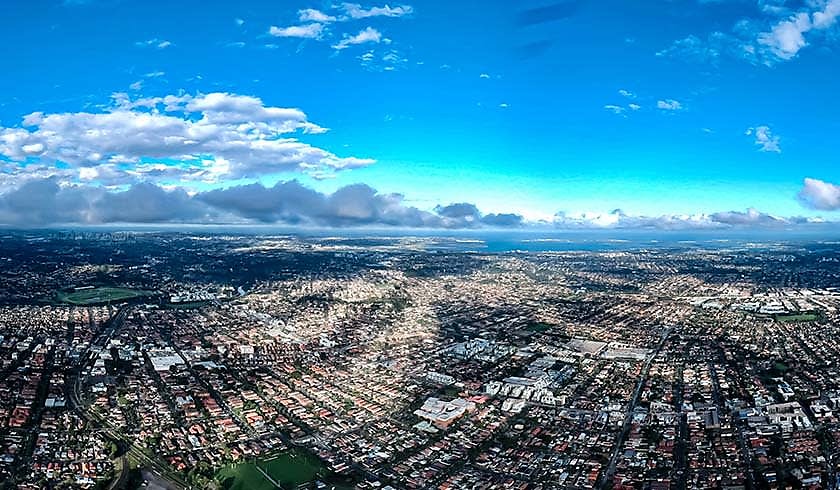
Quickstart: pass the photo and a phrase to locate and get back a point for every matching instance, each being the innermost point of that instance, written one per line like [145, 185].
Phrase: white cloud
[827, 17]
[817, 194]
[356, 11]
[787, 37]
[314, 15]
[692, 48]
[634, 107]
[758, 40]
[765, 139]
[669, 105]
[627, 93]
[484, 75]
[155, 43]
[307, 31]
[615, 109]
[88, 173]
[366, 35]
[138, 85]
[239, 21]
[618, 219]
[391, 60]
[33, 149]
[191, 133]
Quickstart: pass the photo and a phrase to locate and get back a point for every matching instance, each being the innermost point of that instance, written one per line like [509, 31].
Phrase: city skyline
[573, 114]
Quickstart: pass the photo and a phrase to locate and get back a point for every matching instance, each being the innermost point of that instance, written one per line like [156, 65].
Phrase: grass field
[802, 317]
[100, 295]
[290, 469]
[243, 476]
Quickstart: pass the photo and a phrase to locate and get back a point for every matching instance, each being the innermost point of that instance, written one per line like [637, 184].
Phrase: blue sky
[676, 109]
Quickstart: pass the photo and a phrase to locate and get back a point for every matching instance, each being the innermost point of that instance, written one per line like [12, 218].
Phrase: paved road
[680, 460]
[606, 476]
[162, 470]
[120, 480]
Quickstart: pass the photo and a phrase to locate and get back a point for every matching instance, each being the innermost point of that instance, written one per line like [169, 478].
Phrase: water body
[501, 241]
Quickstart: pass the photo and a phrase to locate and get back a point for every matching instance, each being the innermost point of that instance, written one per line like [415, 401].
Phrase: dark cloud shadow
[547, 13]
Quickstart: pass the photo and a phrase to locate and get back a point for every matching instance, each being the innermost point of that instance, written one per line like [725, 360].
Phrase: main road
[606, 475]
[157, 467]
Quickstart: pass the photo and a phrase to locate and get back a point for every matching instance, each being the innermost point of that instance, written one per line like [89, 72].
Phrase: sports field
[801, 317]
[290, 469]
[243, 476]
[97, 296]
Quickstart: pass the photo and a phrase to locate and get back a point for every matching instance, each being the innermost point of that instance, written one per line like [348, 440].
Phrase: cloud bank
[49, 201]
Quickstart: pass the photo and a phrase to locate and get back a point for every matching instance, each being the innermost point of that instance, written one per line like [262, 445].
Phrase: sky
[559, 114]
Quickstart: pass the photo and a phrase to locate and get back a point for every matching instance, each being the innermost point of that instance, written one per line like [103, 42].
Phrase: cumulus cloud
[749, 217]
[147, 203]
[41, 202]
[503, 220]
[467, 215]
[669, 105]
[314, 15]
[202, 137]
[356, 11]
[765, 139]
[315, 22]
[787, 37]
[366, 35]
[460, 210]
[45, 201]
[818, 194]
[307, 31]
